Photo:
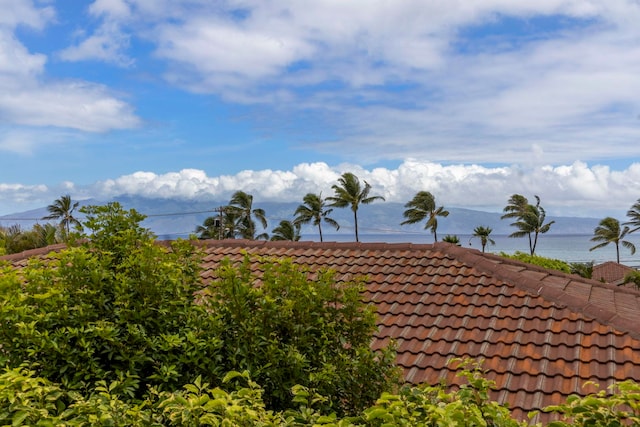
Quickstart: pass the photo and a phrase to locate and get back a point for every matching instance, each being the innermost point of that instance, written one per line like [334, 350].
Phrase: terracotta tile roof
[610, 272]
[542, 334]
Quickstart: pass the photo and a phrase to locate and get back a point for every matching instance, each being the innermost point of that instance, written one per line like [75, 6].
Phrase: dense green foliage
[29, 400]
[120, 312]
[290, 331]
[14, 239]
[617, 406]
[550, 263]
[582, 269]
[116, 308]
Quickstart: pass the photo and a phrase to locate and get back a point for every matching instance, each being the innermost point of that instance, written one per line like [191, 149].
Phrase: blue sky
[471, 100]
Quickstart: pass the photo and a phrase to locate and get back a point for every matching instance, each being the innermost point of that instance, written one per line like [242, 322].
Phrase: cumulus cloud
[575, 189]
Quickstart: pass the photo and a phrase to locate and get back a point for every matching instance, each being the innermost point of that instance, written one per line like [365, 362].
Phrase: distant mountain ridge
[173, 218]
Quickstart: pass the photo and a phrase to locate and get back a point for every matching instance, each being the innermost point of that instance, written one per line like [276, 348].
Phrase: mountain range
[173, 218]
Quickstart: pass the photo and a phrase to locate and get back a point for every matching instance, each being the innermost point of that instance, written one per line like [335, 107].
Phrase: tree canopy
[609, 231]
[63, 209]
[314, 210]
[530, 219]
[482, 233]
[423, 205]
[349, 192]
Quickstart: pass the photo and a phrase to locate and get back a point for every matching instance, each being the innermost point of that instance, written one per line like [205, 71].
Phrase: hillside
[172, 218]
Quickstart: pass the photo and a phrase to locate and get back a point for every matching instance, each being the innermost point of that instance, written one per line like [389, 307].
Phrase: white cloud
[15, 61]
[574, 189]
[24, 12]
[16, 198]
[392, 80]
[113, 8]
[76, 105]
[226, 49]
[555, 92]
[108, 44]
[27, 97]
[17, 141]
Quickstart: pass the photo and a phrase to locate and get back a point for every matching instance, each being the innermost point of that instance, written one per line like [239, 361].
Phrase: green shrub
[287, 330]
[117, 308]
[121, 312]
[633, 278]
[582, 269]
[620, 406]
[439, 406]
[550, 263]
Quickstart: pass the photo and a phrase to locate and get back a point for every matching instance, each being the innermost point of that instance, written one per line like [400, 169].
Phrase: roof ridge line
[592, 308]
[29, 253]
[315, 244]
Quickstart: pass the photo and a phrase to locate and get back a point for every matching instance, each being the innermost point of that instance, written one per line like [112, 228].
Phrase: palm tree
[314, 210]
[423, 205]
[242, 204]
[287, 230]
[45, 235]
[632, 277]
[349, 192]
[609, 231]
[634, 217]
[530, 219]
[62, 209]
[224, 225]
[451, 238]
[582, 269]
[16, 240]
[515, 207]
[483, 233]
[210, 228]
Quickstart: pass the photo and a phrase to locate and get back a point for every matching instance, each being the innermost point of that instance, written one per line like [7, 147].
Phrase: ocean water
[565, 247]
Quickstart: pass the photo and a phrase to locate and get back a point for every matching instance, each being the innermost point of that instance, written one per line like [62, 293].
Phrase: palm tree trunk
[320, 231]
[535, 243]
[355, 220]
